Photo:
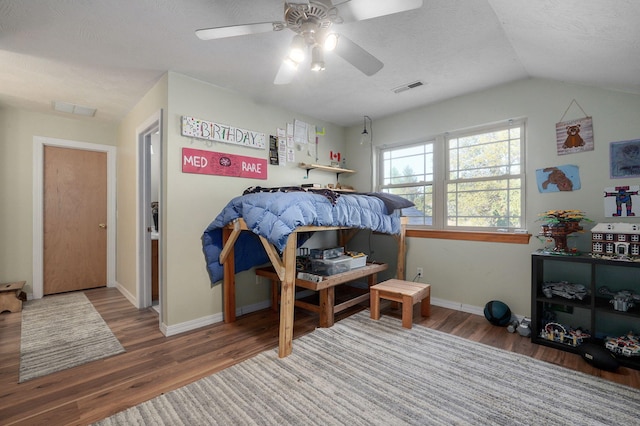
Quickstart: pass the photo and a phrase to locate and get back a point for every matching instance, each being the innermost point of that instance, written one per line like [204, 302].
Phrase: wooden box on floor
[10, 296]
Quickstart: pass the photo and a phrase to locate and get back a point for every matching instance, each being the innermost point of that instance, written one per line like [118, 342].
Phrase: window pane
[408, 165]
[488, 199]
[480, 160]
[422, 197]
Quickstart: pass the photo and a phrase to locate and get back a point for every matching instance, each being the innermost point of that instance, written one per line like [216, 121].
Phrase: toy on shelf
[628, 345]
[616, 241]
[564, 289]
[622, 300]
[558, 333]
[559, 224]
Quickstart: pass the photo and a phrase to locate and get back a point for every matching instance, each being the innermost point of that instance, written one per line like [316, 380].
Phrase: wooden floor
[154, 364]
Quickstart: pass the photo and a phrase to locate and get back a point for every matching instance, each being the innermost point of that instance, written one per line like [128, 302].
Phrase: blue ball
[497, 313]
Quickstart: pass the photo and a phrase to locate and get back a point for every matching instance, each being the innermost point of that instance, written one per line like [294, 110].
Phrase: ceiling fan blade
[285, 74]
[235, 30]
[357, 56]
[359, 10]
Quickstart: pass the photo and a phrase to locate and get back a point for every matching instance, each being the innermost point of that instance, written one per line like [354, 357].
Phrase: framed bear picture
[574, 136]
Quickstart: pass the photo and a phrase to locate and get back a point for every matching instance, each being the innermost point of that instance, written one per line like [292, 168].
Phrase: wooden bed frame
[285, 268]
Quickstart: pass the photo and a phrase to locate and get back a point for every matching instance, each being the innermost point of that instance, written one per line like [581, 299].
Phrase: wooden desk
[326, 289]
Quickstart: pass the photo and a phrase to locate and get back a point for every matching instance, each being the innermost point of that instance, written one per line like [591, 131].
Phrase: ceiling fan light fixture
[317, 59]
[291, 63]
[330, 41]
[296, 52]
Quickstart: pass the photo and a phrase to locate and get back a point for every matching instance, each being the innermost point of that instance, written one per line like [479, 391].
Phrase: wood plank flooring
[154, 364]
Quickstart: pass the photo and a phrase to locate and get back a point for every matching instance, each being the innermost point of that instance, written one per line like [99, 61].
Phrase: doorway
[150, 207]
[105, 227]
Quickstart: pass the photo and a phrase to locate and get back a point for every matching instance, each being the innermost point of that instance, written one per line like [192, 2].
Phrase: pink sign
[222, 164]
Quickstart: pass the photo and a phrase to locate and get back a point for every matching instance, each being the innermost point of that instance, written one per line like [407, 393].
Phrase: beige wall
[127, 185]
[193, 201]
[469, 274]
[17, 129]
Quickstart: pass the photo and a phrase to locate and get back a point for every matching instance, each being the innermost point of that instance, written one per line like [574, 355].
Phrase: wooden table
[326, 289]
[9, 296]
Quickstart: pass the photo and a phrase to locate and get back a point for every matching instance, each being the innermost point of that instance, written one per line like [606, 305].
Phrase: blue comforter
[275, 215]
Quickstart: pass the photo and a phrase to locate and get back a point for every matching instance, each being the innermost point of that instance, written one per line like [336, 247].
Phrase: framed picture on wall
[624, 159]
[574, 136]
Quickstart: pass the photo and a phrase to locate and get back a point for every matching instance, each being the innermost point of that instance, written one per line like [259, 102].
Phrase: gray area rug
[60, 332]
[365, 372]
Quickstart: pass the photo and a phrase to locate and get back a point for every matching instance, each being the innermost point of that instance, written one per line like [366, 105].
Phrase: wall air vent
[408, 86]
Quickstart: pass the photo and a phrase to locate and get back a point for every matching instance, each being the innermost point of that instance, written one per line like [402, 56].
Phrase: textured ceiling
[108, 54]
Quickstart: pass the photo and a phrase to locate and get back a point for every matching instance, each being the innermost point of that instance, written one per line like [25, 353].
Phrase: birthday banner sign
[222, 164]
[201, 129]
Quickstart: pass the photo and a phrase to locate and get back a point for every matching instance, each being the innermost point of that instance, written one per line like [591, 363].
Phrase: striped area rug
[60, 332]
[365, 372]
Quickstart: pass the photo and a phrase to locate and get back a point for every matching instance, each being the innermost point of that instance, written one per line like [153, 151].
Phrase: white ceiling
[109, 53]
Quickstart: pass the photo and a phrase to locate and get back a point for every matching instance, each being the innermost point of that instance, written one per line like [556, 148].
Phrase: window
[465, 180]
[408, 172]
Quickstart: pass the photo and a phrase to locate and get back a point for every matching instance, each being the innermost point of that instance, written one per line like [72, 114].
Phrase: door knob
[102, 225]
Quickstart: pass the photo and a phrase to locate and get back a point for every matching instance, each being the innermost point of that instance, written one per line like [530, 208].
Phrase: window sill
[490, 237]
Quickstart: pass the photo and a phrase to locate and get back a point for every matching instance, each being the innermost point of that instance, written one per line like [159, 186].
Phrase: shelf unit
[337, 170]
[594, 313]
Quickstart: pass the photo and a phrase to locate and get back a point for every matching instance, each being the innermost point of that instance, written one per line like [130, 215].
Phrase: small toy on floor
[523, 327]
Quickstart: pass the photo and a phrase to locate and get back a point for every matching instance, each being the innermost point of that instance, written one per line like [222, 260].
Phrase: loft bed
[279, 221]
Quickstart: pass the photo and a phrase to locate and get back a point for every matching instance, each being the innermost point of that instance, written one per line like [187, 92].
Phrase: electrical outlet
[420, 272]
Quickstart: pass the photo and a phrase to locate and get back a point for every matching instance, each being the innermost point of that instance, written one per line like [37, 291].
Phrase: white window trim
[440, 169]
[483, 129]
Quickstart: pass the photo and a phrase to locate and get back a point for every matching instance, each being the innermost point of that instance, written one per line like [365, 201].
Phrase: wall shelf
[337, 170]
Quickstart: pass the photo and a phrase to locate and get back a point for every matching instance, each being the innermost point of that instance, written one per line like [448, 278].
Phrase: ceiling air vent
[408, 86]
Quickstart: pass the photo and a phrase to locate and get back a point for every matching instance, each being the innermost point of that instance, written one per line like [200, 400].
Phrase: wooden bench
[326, 308]
[406, 292]
[9, 296]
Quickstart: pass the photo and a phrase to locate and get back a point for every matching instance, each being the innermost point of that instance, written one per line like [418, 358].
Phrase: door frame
[39, 142]
[143, 237]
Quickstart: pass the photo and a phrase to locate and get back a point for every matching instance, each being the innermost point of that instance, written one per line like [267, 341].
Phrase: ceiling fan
[312, 22]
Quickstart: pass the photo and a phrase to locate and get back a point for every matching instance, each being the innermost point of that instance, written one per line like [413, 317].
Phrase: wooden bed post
[229, 279]
[287, 297]
[402, 248]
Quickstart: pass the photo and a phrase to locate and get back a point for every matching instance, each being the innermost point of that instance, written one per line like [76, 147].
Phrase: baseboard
[130, 297]
[456, 306]
[172, 330]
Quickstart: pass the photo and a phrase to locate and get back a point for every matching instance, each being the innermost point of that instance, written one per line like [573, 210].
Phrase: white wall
[472, 273]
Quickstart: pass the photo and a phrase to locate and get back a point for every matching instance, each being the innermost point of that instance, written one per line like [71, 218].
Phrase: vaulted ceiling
[108, 54]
